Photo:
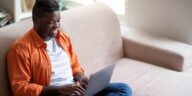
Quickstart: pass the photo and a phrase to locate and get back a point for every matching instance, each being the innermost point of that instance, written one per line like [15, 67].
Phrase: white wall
[8, 5]
[168, 18]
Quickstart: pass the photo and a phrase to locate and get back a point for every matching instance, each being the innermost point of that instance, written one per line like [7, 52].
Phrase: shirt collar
[38, 40]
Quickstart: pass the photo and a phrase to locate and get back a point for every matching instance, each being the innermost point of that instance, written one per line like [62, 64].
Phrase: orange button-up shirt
[29, 65]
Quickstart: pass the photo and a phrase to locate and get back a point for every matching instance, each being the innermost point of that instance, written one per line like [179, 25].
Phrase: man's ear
[35, 19]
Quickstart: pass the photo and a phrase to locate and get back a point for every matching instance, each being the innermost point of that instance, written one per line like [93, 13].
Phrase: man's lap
[116, 89]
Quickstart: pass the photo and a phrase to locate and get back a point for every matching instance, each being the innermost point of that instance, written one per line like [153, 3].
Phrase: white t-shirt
[61, 73]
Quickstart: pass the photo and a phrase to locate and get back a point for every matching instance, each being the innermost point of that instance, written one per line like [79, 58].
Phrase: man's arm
[19, 73]
[78, 72]
[49, 91]
[66, 90]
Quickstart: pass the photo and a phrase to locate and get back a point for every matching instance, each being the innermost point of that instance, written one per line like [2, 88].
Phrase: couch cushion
[150, 80]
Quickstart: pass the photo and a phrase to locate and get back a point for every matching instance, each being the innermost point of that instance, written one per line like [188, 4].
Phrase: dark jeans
[116, 89]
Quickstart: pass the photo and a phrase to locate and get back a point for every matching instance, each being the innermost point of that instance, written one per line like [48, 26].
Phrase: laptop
[99, 80]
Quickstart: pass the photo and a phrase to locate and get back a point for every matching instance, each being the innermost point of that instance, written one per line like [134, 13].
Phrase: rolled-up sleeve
[18, 64]
[76, 67]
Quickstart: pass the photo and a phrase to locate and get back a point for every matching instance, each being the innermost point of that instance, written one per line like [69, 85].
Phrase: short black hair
[41, 6]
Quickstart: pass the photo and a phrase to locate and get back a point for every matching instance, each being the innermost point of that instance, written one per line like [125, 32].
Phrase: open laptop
[99, 80]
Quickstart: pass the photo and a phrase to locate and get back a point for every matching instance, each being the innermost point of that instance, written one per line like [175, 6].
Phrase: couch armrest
[156, 50]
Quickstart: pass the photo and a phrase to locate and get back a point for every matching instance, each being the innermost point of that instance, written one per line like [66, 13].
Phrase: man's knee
[123, 88]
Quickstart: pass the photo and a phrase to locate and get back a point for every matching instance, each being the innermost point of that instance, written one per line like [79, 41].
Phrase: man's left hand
[82, 79]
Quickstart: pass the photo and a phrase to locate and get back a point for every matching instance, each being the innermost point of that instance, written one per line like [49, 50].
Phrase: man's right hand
[67, 90]
[71, 90]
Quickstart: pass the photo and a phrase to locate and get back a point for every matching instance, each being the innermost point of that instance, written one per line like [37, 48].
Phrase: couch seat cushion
[150, 80]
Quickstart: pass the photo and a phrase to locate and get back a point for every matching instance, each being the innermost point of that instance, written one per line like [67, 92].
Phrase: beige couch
[99, 41]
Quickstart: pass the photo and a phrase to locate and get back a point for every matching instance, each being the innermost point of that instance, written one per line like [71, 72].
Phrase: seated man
[43, 62]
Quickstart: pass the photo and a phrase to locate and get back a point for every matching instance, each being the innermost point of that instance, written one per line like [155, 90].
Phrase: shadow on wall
[167, 18]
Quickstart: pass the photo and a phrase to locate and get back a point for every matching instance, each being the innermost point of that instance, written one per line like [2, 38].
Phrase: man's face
[48, 25]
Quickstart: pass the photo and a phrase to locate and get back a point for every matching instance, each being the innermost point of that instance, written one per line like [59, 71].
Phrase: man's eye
[51, 21]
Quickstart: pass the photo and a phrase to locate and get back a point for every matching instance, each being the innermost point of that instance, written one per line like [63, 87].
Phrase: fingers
[72, 90]
[84, 83]
[81, 90]
[77, 89]
[77, 83]
[85, 80]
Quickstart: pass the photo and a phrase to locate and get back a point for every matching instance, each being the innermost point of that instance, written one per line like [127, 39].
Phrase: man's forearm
[66, 90]
[50, 91]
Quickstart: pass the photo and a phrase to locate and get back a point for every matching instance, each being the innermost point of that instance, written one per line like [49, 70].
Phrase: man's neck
[43, 36]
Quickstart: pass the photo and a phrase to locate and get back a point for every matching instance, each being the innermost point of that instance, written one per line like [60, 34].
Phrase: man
[43, 62]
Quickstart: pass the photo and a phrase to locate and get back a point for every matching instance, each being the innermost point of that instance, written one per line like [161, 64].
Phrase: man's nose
[57, 24]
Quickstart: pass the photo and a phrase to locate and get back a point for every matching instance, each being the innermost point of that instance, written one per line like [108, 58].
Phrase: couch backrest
[94, 31]
[95, 34]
